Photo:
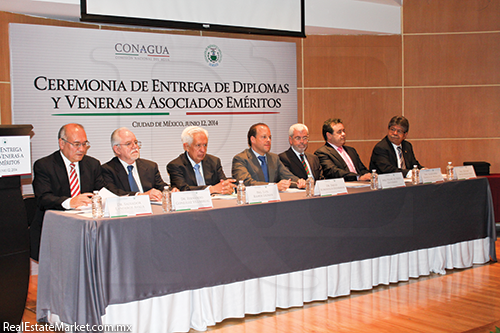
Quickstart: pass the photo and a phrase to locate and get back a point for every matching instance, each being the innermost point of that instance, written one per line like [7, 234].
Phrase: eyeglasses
[301, 138]
[77, 145]
[398, 131]
[128, 144]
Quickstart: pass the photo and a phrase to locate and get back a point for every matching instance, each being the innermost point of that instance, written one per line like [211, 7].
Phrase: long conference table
[170, 272]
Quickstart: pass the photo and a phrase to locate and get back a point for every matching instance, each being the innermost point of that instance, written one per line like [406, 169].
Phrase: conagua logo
[137, 50]
[213, 55]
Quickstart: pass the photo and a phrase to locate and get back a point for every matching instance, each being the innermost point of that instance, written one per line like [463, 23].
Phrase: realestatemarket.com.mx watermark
[27, 327]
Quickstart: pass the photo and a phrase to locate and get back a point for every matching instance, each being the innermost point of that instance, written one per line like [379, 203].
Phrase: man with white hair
[127, 173]
[301, 163]
[194, 169]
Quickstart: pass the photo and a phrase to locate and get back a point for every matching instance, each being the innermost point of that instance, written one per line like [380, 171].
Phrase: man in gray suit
[258, 166]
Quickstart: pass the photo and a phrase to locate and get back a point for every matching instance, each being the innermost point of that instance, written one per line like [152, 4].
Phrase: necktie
[73, 181]
[263, 165]
[401, 158]
[304, 164]
[131, 180]
[347, 160]
[199, 178]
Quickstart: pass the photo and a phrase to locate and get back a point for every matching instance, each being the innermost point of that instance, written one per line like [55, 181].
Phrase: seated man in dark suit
[258, 166]
[196, 170]
[393, 153]
[338, 160]
[65, 179]
[127, 173]
[301, 163]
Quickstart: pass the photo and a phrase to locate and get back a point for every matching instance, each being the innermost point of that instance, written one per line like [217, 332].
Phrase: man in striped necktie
[301, 163]
[65, 179]
[393, 153]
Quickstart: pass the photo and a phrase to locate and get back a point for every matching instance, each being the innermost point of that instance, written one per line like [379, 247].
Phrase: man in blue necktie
[258, 166]
[127, 173]
[194, 169]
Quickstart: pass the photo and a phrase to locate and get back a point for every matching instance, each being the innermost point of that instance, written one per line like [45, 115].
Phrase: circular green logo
[213, 55]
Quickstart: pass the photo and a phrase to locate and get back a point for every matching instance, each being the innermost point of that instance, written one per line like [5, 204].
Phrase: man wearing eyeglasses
[127, 173]
[65, 179]
[338, 160]
[301, 163]
[393, 153]
[194, 169]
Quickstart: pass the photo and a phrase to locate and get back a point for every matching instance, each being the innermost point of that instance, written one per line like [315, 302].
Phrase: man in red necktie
[65, 179]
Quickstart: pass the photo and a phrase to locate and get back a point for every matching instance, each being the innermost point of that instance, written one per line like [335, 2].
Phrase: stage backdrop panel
[154, 84]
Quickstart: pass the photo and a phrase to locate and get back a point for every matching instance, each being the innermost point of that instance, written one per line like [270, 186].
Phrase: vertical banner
[154, 84]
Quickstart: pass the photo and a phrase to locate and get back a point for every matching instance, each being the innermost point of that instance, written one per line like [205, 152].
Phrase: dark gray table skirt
[86, 265]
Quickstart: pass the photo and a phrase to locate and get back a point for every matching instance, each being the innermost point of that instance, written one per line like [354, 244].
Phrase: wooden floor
[465, 300]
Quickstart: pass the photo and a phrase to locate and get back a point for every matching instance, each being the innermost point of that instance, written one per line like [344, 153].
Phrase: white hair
[189, 132]
[298, 127]
[115, 136]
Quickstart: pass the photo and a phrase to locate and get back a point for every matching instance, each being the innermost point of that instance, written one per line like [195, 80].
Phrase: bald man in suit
[52, 175]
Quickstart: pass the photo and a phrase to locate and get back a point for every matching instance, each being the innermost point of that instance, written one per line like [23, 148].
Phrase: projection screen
[269, 17]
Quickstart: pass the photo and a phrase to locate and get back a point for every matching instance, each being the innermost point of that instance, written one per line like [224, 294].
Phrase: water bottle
[241, 198]
[309, 187]
[449, 172]
[166, 200]
[374, 180]
[96, 205]
[415, 175]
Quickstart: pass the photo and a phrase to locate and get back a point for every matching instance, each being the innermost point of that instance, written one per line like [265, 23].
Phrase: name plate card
[464, 172]
[390, 180]
[431, 176]
[15, 155]
[191, 200]
[330, 187]
[263, 193]
[127, 206]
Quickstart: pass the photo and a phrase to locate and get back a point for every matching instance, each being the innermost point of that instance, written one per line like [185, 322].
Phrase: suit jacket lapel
[295, 160]
[406, 155]
[392, 152]
[121, 174]
[255, 164]
[86, 183]
[208, 170]
[190, 177]
[142, 169]
[62, 174]
[335, 154]
[353, 159]
[271, 168]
